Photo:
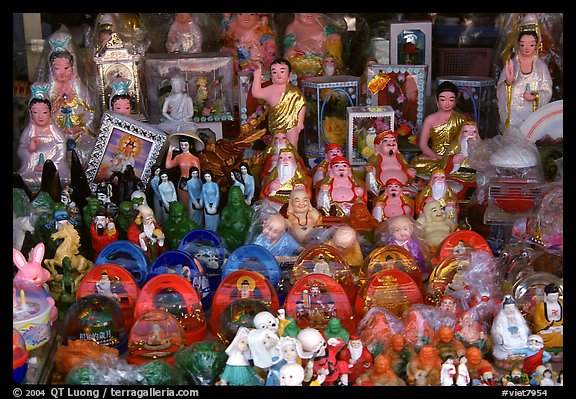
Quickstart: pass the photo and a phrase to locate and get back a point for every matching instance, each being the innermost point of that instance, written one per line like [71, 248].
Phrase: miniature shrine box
[477, 100]
[363, 123]
[214, 71]
[327, 98]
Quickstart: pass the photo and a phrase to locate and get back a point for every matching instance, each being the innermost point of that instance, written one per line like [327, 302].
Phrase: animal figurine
[33, 271]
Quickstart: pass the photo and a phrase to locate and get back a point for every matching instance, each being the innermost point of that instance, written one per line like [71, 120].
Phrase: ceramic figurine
[447, 344]
[286, 101]
[184, 35]
[338, 191]
[400, 352]
[211, 199]
[306, 41]
[271, 152]
[439, 190]
[405, 232]
[103, 232]
[201, 91]
[249, 38]
[177, 226]
[178, 108]
[547, 379]
[302, 216]
[249, 183]
[463, 376]
[126, 215]
[147, 233]
[476, 364]
[436, 225]
[346, 241]
[357, 356]
[263, 348]
[291, 374]
[287, 176]
[120, 99]
[525, 83]
[195, 205]
[238, 370]
[510, 332]
[424, 369]
[235, 220]
[276, 237]
[380, 374]
[160, 212]
[534, 354]
[441, 127]
[548, 319]
[185, 160]
[392, 202]
[487, 377]
[319, 171]
[447, 372]
[41, 140]
[515, 378]
[167, 191]
[386, 163]
[237, 179]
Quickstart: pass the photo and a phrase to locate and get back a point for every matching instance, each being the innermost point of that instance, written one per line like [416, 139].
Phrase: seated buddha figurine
[288, 175]
[440, 127]
[302, 216]
[548, 319]
[339, 190]
[436, 225]
[424, 368]
[392, 202]
[447, 344]
[381, 374]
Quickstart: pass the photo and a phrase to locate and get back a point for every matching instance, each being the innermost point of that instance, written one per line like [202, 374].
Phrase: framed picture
[209, 81]
[411, 44]
[124, 141]
[363, 123]
[401, 87]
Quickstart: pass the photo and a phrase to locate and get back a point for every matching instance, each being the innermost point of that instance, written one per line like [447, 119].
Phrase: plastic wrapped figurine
[386, 163]
[471, 332]
[238, 370]
[306, 41]
[276, 237]
[185, 159]
[509, 332]
[235, 220]
[418, 328]
[211, 199]
[340, 189]
[436, 225]
[302, 216]
[73, 106]
[525, 83]
[441, 127]
[41, 140]
[177, 225]
[319, 171]
[460, 175]
[424, 369]
[380, 374]
[286, 101]
[288, 175]
[548, 319]
[439, 190]
[392, 202]
[178, 108]
[147, 233]
[250, 39]
[184, 35]
[377, 328]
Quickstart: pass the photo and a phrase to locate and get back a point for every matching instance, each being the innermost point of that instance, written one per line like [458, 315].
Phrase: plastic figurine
[487, 377]
[238, 370]
[41, 139]
[441, 127]
[400, 352]
[126, 216]
[211, 199]
[263, 348]
[237, 179]
[249, 183]
[250, 39]
[439, 190]
[334, 329]
[184, 35]
[380, 374]
[477, 365]
[525, 83]
[185, 160]
[286, 177]
[291, 375]
[167, 191]
[534, 354]
[386, 163]
[103, 232]
[447, 372]
[156, 199]
[178, 108]
[403, 231]
[306, 41]
[72, 104]
[177, 226]
[120, 99]
[463, 376]
[392, 202]
[509, 332]
[357, 356]
[235, 220]
[276, 238]
[515, 378]
[436, 225]
[418, 330]
[447, 344]
[346, 241]
[319, 171]
[271, 152]
[146, 233]
[424, 369]
[339, 190]
[548, 319]
[196, 204]
[547, 379]
[456, 161]
[286, 101]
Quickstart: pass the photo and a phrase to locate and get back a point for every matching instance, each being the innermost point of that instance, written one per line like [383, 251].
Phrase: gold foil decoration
[378, 82]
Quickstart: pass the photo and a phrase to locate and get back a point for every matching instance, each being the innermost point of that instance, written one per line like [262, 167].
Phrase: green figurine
[235, 220]
[334, 329]
[126, 215]
[291, 329]
[177, 225]
[203, 362]
[68, 294]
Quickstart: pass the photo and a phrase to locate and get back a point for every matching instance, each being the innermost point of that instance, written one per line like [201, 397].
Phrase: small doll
[238, 370]
[436, 225]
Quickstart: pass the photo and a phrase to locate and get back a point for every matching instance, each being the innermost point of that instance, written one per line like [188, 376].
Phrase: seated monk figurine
[439, 190]
[399, 352]
[392, 202]
[288, 175]
[447, 344]
[340, 189]
[387, 162]
[424, 368]
[436, 225]
[476, 364]
[302, 216]
[381, 374]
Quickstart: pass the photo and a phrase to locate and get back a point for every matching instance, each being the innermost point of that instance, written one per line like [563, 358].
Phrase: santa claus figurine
[357, 356]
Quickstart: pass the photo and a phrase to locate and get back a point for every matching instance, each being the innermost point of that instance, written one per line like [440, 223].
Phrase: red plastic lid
[471, 240]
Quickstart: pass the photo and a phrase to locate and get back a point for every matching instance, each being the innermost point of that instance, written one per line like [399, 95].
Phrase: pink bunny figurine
[33, 272]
